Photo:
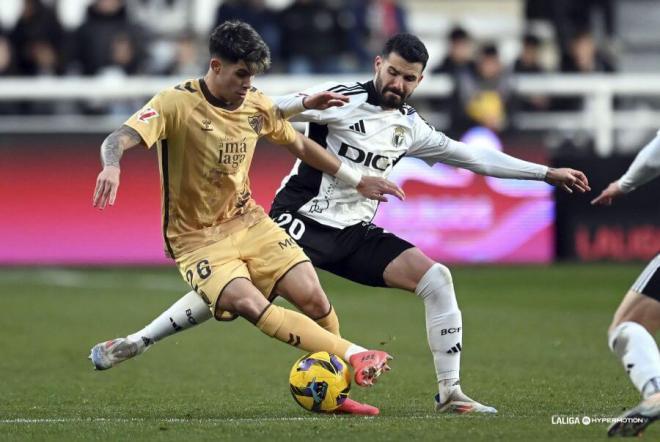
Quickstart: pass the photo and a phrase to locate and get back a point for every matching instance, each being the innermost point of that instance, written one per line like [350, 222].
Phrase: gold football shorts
[262, 253]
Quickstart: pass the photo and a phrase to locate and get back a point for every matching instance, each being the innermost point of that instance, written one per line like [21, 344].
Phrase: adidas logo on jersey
[358, 127]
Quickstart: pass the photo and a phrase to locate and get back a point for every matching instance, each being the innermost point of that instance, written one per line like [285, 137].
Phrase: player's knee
[640, 310]
[437, 291]
[243, 304]
[443, 273]
[320, 306]
[614, 338]
[310, 296]
[247, 308]
[316, 303]
[436, 276]
[619, 335]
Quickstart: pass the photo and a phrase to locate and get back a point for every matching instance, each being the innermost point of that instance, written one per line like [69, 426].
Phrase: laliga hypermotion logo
[147, 114]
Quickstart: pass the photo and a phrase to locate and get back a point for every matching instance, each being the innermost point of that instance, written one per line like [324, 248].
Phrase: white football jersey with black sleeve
[644, 168]
[371, 140]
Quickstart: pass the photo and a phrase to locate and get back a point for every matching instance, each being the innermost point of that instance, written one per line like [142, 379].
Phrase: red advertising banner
[628, 230]
[457, 216]
[47, 216]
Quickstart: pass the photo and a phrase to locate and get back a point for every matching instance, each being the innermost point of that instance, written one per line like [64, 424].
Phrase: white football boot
[634, 421]
[107, 354]
[458, 402]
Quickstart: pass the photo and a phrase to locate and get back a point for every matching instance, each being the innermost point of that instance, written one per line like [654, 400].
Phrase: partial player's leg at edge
[630, 337]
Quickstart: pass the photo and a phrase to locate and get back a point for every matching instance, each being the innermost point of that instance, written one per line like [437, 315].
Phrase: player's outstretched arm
[371, 187]
[644, 168]
[112, 149]
[294, 104]
[492, 162]
[568, 179]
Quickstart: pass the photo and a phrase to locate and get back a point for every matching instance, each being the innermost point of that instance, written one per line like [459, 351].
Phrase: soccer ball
[320, 382]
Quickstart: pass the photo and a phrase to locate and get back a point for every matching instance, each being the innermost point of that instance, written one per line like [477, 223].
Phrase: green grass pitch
[534, 347]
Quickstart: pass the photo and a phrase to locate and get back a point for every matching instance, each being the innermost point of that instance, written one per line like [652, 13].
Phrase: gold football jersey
[205, 153]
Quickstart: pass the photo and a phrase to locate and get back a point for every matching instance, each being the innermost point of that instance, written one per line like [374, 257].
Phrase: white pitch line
[82, 279]
[239, 420]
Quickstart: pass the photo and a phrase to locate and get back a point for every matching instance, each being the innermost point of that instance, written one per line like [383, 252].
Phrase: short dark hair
[458, 33]
[407, 46]
[489, 50]
[235, 41]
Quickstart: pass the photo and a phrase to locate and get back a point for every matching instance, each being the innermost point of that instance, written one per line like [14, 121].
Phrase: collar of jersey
[212, 99]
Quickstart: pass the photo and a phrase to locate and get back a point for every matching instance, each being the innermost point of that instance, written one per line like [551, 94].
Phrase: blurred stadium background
[563, 82]
[568, 82]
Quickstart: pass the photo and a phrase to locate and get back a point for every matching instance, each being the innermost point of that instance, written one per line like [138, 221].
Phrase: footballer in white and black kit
[637, 319]
[332, 223]
[370, 133]
[330, 220]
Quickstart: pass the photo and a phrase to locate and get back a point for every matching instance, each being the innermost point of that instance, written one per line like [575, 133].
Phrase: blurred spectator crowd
[145, 37]
[127, 37]
[483, 92]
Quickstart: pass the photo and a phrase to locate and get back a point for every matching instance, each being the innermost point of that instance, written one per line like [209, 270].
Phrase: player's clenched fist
[376, 188]
[107, 184]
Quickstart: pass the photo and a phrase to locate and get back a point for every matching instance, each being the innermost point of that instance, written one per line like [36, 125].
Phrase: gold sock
[299, 331]
[330, 322]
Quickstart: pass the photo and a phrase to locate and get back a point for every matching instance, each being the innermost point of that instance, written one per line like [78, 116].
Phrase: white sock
[353, 349]
[444, 326]
[187, 312]
[638, 352]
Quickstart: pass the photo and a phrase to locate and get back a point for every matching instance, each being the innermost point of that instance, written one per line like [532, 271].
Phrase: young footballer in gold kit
[225, 246]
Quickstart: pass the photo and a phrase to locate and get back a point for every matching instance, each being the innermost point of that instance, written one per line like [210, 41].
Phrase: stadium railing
[599, 116]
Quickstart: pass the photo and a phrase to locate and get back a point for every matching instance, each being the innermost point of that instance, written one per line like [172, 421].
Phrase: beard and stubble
[390, 98]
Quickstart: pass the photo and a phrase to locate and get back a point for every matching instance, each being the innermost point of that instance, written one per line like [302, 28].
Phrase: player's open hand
[324, 100]
[375, 188]
[607, 196]
[568, 179]
[107, 184]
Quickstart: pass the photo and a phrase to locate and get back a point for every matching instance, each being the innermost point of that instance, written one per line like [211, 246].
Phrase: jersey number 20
[296, 227]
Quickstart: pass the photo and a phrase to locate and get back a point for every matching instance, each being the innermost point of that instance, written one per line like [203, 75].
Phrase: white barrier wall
[598, 117]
